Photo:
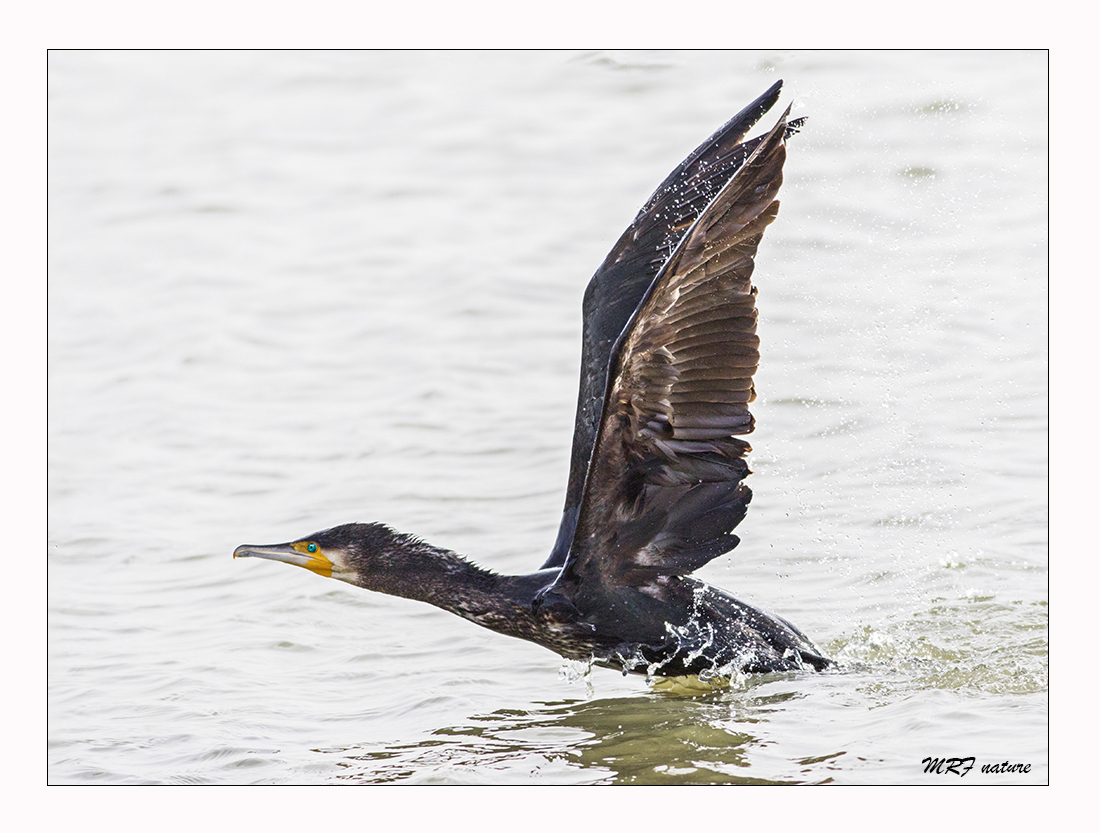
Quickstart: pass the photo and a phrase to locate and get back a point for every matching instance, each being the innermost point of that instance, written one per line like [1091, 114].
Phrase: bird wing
[663, 490]
[621, 282]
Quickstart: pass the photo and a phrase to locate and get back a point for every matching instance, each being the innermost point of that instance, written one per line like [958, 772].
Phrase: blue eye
[312, 548]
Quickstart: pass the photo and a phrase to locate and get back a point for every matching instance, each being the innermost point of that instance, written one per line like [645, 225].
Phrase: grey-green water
[293, 290]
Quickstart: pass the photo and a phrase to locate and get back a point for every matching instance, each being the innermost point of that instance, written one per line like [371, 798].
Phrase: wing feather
[626, 275]
[664, 489]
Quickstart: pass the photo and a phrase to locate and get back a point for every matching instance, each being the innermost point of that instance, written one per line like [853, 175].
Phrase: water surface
[293, 290]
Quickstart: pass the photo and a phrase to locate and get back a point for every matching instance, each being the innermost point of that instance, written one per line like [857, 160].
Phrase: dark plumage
[655, 489]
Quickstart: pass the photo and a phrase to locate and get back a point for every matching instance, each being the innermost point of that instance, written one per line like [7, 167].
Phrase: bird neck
[446, 580]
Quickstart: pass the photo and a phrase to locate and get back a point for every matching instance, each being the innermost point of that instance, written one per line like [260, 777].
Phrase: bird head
[351, 552]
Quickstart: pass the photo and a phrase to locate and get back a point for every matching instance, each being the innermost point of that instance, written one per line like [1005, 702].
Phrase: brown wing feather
[623, 279]
[664, 488]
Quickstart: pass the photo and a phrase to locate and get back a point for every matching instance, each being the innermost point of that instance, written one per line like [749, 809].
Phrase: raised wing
[663, 491]
[625, 276]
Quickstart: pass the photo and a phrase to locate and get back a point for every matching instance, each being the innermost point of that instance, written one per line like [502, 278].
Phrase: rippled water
[293, 290]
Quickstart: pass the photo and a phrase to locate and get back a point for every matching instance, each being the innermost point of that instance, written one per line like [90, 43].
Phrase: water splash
[576, 670]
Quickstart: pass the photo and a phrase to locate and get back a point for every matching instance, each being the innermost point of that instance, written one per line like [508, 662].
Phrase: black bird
[656, 485]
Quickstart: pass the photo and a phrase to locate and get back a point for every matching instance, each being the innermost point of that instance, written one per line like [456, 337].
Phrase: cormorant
[656, 485]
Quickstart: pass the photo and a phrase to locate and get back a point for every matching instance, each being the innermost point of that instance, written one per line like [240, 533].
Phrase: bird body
[656, 482]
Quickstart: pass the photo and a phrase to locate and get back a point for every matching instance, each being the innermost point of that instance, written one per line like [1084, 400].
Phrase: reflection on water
[630, 740]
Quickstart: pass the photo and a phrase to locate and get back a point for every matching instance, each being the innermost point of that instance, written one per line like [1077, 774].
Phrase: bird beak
[287, 554]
